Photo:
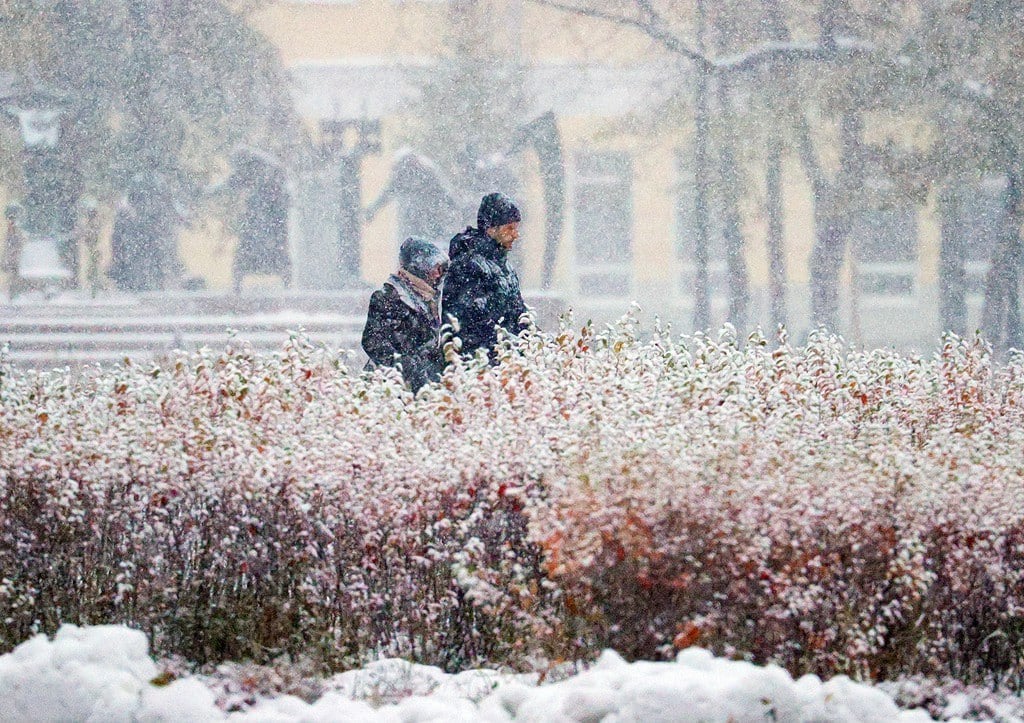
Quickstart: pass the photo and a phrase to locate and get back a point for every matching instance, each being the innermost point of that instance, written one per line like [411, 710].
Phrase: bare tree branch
[651, 23]
[669, 40]
[832, 47]
[790, 52]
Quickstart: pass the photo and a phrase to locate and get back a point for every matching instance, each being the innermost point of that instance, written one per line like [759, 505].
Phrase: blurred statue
[52, 181]
[263, 223]
[53, 184]
[87, 240]
[542, 135]
[432, 206]
[436, 206]
[144, 249]
[13, 243]
[344, 145]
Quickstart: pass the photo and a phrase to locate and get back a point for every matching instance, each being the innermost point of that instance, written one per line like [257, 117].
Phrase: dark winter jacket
[481, 291]
[464, 241]
[403, 331]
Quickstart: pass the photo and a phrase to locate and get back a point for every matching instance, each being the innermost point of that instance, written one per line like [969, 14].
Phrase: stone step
[164, 340]
[342, 301]
[349, 301]
[77, 358]
[74, 330]
[127, 324]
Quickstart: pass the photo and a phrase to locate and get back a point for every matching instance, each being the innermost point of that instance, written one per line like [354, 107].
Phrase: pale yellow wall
[905, 133]
[552, 35]
[653, 190]
[377, 29]
[382, 28]
[207, 248]
[312, 31]
[654, 211]
[798, 222]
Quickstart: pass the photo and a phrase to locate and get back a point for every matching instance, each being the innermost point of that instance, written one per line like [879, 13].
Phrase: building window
[884, 244]
[686, 236]
[603, 224]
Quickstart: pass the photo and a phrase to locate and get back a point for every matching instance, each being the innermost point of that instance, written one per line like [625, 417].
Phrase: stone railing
[74, 331]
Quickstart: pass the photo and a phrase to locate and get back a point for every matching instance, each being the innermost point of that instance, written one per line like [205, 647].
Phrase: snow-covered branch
[669, 40]
[649, 22]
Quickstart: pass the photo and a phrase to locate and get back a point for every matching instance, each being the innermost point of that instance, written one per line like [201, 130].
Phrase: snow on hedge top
[103, 673]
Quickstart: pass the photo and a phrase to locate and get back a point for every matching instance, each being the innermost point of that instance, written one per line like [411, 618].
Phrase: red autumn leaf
[688, 636]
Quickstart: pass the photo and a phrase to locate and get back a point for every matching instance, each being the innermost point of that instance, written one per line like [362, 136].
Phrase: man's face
[505, 235]
[435, 275]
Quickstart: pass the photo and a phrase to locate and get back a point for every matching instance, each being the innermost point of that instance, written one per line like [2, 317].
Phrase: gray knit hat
[419, 256]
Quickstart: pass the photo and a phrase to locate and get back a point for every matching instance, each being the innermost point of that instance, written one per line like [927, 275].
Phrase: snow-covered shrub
[832, 511]
[238, 506]
[828, 510]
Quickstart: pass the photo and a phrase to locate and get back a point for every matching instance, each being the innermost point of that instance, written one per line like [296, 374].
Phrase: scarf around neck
[420, 293]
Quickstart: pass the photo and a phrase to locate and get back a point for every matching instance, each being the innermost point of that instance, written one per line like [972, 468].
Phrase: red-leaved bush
[828, 510]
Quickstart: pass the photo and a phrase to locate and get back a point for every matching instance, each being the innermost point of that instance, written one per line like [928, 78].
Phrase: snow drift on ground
[104, 673]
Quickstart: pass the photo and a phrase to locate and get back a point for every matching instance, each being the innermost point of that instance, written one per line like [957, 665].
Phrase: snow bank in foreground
[104, 673]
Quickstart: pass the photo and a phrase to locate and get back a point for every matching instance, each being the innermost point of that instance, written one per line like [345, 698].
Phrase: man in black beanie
[482, 291]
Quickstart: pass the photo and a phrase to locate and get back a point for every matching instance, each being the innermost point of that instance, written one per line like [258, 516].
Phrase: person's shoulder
[466, 233]
[462, 242]
[470, 263]
[386, 295]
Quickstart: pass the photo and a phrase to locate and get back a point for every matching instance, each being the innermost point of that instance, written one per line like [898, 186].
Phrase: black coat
[401, 331]
[481, 291]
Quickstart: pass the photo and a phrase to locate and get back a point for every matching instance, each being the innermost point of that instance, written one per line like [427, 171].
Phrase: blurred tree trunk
[739, 279]
[1001, 322]
[702, 189]
[775, 241]
[952, 275]
[832, 197]
[729, 182]
[832, 219]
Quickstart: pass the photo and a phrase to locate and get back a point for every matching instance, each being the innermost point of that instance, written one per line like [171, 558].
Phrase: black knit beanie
[496, 209]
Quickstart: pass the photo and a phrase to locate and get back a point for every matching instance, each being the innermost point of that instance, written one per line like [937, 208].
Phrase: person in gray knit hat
[403, 322]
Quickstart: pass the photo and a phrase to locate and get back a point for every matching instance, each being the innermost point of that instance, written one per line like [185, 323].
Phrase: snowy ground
[104, 673]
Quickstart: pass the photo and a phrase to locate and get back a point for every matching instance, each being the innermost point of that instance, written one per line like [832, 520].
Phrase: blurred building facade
[629, 190]
[365, 60]
[358, 67]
